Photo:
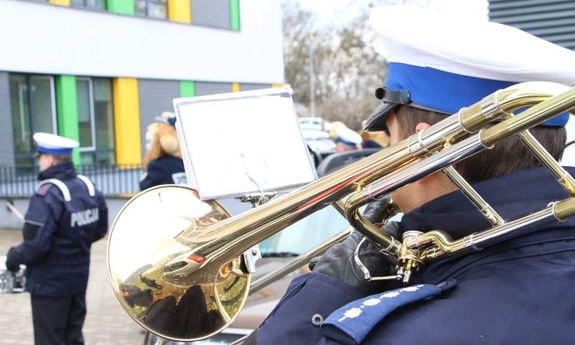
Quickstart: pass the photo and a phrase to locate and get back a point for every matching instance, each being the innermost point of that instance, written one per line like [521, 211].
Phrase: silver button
[317, 319]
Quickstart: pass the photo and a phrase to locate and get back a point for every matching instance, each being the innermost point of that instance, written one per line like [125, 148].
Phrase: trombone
[175, 261]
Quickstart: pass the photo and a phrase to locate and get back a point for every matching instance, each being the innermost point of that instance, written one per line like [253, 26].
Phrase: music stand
[242, 143]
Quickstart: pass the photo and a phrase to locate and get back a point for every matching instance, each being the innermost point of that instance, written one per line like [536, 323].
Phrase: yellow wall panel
[180, 11]
[127, 121]
[60, 2]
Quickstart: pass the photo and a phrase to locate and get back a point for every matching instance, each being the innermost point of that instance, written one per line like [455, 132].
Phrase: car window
[305, 234]
[313, 123]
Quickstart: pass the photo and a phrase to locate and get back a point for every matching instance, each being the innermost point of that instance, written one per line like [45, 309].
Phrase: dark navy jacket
[164, 170]
[58, 234]
[517, 292]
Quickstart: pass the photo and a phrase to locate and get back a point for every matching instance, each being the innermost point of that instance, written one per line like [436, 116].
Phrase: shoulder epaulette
[43, 187]
[40, 190]
[89, 184]
[356, 319]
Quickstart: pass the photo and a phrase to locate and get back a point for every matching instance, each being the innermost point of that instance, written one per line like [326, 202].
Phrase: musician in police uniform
[65, 216]
[519, 291]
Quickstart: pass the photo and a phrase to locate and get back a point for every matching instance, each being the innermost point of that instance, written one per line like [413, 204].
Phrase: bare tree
[343, 61]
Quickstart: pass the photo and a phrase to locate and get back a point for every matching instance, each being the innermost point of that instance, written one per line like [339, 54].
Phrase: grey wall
[212, 13]
[250, 86]
[551, 20]
[6, 135]
[208, 88]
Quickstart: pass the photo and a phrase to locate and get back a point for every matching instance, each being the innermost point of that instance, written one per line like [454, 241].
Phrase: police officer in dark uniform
[65, 216]
[519, 291]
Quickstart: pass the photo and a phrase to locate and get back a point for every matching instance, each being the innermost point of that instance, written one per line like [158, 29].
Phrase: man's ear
[51, 160]
[421, 126]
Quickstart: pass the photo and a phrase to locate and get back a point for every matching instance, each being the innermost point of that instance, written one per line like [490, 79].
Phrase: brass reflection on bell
[165, 291]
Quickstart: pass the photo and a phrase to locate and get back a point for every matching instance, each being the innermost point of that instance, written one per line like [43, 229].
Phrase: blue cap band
[347, 142]
[447, 92]
[55, 152]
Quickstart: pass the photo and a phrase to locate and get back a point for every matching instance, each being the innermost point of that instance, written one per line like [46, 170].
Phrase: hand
[339, 261]
[11, 264]
[12, 267]
[379, 210]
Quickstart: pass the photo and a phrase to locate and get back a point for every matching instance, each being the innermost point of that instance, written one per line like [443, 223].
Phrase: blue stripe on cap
[55, 152]
[447, 92]
[347, 142]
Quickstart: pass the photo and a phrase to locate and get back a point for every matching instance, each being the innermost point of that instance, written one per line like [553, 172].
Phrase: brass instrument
[175, 262]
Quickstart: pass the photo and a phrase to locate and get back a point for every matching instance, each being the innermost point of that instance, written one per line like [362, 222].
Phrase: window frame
[102, 6]
[147, 10]
[92, 116]
[26, 100]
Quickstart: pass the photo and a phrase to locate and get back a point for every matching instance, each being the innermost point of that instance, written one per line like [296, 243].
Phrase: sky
[338, 10]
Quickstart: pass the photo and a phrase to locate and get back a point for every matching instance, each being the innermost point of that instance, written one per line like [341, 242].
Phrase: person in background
[373, 140]
[518, 291]
[65, 216]
[163, 162]
[345, 139]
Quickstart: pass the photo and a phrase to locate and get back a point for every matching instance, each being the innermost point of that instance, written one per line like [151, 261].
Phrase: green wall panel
[235, 14]
[67, 109]
[187, 88]
[121, 6]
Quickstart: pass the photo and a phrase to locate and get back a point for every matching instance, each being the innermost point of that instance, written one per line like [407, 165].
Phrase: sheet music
[240, 143]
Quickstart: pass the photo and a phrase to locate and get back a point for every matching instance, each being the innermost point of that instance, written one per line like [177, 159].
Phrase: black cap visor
[376, 121]
[390, 99]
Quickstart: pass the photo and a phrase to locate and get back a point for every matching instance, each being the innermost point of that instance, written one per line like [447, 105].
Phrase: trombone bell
[159, 289]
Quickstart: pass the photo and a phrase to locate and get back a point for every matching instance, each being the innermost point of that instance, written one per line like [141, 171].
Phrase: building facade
[551, 20]
[100, 71]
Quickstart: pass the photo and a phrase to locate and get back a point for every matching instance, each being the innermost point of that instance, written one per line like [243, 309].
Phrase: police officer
[345, 138]
[518, 291]
[65, 216]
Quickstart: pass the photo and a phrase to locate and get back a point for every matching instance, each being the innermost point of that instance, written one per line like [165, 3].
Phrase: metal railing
[112, 180]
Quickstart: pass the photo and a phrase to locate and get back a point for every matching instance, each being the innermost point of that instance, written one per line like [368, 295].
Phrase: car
[276, 251]
[319, 144]
[183, 265]
[313, 123]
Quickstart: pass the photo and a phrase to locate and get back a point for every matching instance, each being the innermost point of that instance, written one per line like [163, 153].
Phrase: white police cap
[347, 136]
[54, 144]
[443, 61]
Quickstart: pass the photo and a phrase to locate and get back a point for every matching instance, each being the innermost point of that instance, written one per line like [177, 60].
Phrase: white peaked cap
[348, 136]
[448, 61]
[470, 46]
[54, 144]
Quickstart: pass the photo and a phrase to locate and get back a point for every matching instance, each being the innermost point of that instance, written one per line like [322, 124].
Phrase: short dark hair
[504, 158]
[62, 158]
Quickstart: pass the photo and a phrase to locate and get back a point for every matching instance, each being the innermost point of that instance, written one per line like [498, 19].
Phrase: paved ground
[106, 323]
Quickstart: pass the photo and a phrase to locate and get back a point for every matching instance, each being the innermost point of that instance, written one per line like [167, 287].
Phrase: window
[152, 8]
[95, 120]
[33, 110]
[32, 101]
[94, 4]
